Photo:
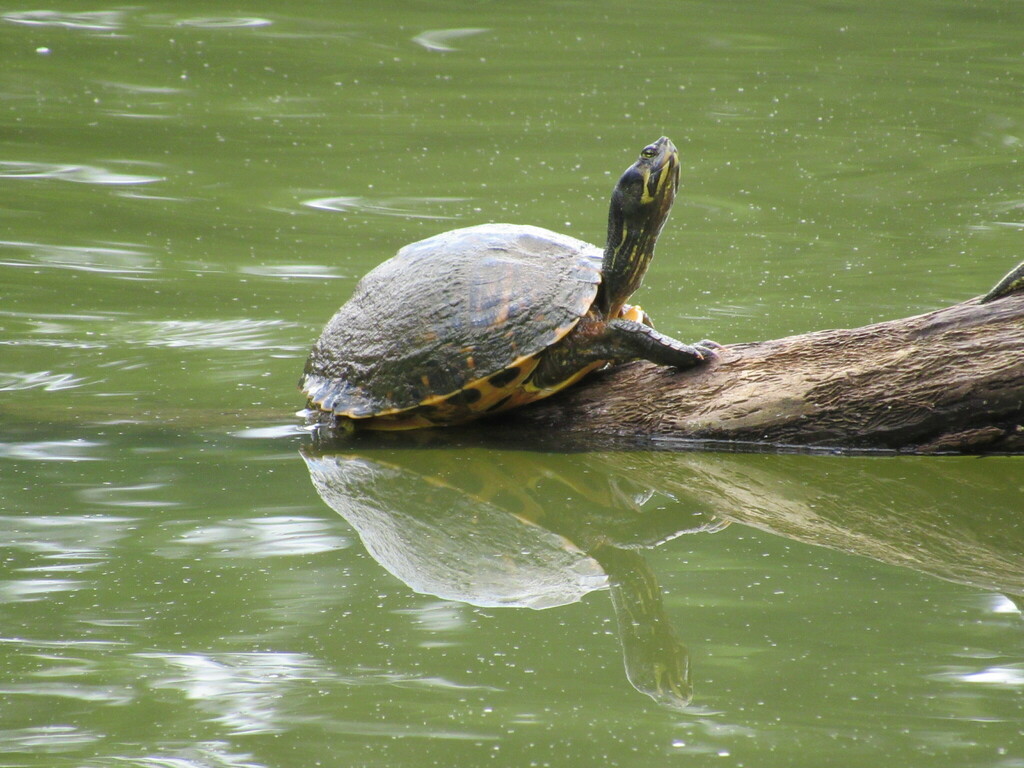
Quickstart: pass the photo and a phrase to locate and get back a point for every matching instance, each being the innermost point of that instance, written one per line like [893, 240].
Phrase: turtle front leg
[634, 340]
[594, 343]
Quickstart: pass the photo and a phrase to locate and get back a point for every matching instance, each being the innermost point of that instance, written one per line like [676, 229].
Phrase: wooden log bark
[951, 380]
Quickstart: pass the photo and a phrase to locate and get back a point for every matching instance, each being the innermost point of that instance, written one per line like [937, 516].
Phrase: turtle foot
[708, 349]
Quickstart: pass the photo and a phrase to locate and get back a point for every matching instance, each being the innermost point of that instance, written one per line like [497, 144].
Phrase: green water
[187, 194]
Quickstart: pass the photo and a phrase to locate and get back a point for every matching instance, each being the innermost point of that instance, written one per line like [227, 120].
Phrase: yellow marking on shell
[527, 392]
[436, 411]
[532, 392]
[451, 408]
[425, 380]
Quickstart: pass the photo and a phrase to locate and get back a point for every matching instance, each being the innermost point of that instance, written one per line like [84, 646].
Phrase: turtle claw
[708, 349]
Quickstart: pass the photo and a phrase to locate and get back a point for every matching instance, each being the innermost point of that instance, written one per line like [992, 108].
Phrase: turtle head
[640, 204]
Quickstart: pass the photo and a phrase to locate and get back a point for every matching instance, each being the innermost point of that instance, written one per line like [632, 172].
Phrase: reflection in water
[953, 518]
[486, 533]
[516, 528]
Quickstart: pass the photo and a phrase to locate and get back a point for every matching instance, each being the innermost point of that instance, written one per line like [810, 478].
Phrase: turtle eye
[649, 151]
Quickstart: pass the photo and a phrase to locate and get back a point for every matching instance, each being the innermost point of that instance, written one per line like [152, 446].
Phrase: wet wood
[951, 380]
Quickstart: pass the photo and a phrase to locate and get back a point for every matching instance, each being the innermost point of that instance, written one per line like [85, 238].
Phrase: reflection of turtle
[468, 531]
[483, 319]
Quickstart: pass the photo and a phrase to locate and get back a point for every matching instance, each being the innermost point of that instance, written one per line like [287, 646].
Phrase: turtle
[479, 320]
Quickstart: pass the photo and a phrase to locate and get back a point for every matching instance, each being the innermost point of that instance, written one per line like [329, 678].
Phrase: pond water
[188, 578]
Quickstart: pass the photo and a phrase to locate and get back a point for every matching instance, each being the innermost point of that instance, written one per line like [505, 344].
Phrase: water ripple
[119, 259]
[106, 694]
[243, 691]
[77, 643]
[46, 739]
[32, 590]
[247, 335]
[135, 115]
[108, 331]
[437, 39]
[142, 89]
[80, 567]
[204, 754]
[271, 433]
[50, 450]
[405, 731]
[48, 381]
[224, 22]
[405, 207]
[1010, 676]
[261, 537]
[436, 617]
[93, 20]
[54, 548]
[121, 496]
[294, 271]
[79, 174]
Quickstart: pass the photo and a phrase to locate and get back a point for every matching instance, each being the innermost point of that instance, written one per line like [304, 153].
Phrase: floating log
[949, 381]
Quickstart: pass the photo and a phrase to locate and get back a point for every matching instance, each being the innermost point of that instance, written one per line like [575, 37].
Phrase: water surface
[187, 578]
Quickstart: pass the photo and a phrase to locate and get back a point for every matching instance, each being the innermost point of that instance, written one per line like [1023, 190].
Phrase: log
[949, 381]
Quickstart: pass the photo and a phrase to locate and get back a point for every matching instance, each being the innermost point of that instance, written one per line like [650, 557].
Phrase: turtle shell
[452, 325]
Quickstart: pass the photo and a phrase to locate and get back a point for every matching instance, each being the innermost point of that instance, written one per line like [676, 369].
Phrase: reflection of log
[949, 380]
[948, 517]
